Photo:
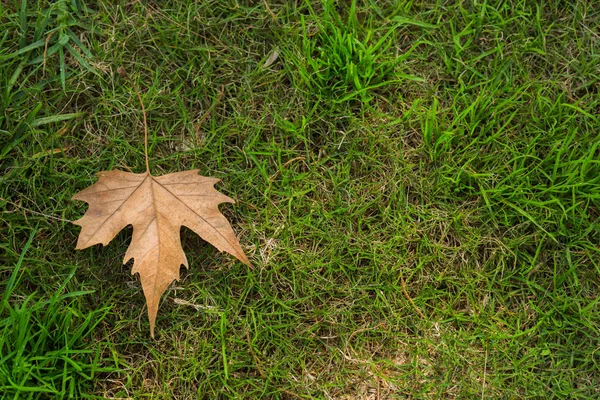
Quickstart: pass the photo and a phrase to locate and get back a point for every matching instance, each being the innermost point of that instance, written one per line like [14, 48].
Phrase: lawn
[417, 186]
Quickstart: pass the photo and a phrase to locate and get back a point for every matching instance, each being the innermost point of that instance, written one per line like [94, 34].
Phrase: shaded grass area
[417, 186]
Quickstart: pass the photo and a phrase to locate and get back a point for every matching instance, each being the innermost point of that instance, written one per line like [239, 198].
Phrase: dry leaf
[157, 207]
[272, 58]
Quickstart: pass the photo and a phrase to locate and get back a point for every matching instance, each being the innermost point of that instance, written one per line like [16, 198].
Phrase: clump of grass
[47, 344]
[46, 32]
[343, 58]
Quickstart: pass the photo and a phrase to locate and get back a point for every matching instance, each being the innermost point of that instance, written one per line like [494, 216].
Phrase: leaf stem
[145, 130]
[122, 72]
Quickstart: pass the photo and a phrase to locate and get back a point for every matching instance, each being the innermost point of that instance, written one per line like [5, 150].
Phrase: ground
[417, 186]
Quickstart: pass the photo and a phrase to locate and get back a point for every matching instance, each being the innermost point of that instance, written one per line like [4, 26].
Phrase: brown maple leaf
[157, 207]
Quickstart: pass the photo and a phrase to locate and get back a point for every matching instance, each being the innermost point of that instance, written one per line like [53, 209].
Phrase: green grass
[417, 186]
